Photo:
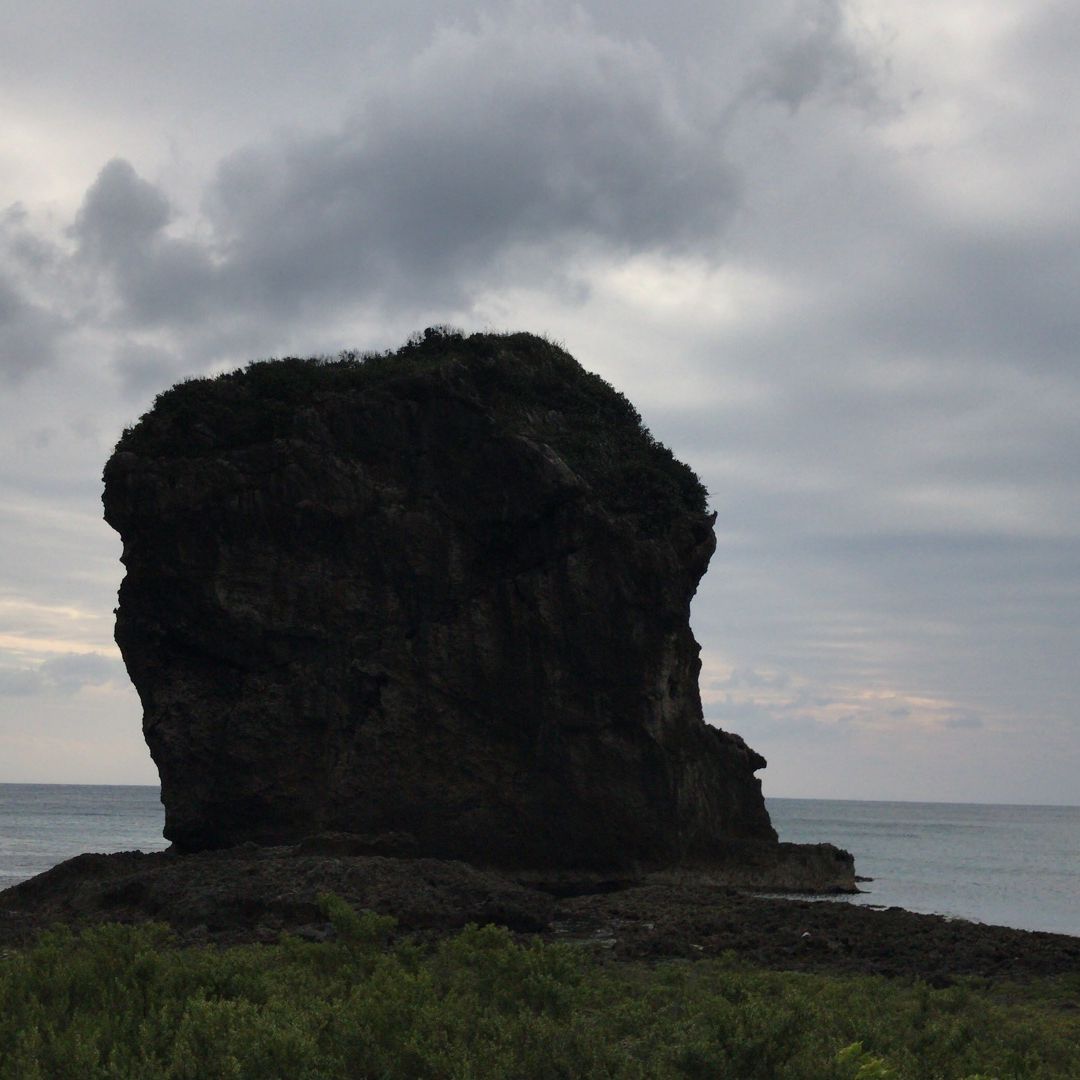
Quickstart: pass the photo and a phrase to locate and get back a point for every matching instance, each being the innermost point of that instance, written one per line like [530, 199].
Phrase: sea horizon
[767, 797]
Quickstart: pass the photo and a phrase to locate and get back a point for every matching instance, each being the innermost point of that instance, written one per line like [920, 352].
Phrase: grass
[127, 1002]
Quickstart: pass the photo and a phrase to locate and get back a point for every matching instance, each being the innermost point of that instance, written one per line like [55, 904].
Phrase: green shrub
[122, 1002]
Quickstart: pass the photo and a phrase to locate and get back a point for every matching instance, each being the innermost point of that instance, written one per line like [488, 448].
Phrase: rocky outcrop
[438, 599]
[254, 894]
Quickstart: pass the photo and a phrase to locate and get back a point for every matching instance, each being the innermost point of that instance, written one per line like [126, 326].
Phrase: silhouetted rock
[436, 599]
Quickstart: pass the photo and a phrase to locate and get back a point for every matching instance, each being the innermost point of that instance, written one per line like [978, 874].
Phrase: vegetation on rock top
[530, 385]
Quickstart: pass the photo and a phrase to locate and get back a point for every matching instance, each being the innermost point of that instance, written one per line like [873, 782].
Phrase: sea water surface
[43, 824]
[1012, 865]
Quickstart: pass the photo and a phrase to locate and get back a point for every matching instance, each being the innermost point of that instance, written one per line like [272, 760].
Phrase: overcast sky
[829, 249]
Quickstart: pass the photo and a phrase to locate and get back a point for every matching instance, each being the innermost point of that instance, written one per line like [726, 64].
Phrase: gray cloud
[509, 149]
[982, 298]
[814, 55]
[756, 720]
[964, 720]
[29, 325]
[64, 674]
[748, 678]
[504, 148]
[20, 682]
[70, 672]
[858, 318]
[120, 229]
[145, 368]
[487, 143]
[27, 333]
[506, 151]
[122, 214]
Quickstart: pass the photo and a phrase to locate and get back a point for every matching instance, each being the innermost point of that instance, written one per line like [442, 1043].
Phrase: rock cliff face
[440, 597]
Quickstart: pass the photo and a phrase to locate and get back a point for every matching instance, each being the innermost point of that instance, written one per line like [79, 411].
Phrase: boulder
[441, 595]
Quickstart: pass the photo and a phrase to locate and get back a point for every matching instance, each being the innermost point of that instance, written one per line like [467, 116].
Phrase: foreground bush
[125, 1002]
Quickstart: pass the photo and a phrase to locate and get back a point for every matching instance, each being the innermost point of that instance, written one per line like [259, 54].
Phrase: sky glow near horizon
[830, 250]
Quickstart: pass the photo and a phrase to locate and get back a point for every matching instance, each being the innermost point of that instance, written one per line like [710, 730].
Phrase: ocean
[1008, 865]
[43, 824]
[1011, 865]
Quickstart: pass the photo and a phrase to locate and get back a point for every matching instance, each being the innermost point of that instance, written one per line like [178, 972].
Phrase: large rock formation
[439, 598]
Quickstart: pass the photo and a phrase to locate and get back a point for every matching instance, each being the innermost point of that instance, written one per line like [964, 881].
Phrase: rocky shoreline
[252, 894]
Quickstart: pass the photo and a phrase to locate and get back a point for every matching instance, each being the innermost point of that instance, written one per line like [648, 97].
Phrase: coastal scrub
[125, 1002]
